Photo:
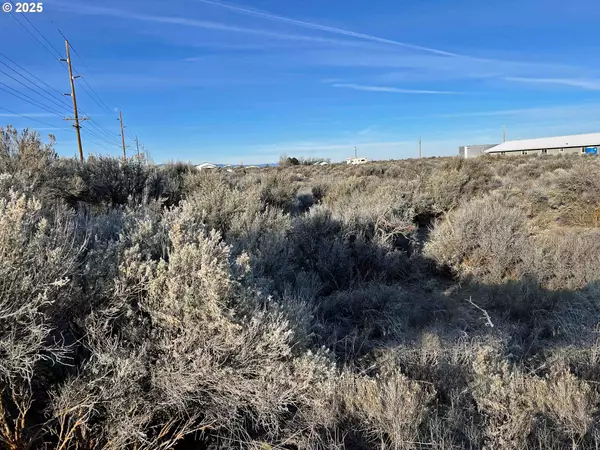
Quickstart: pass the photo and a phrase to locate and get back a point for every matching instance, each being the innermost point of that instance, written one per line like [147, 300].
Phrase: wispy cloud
[367, 130]
[494, 113]
[361, 50]
[406, 67]
[555, 112]
[26, 114]
[393, 90]
[590, 85]
[194, 23]
[328, 29]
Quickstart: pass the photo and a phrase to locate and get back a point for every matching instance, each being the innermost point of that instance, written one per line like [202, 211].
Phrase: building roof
[478, 146]
[575, 140]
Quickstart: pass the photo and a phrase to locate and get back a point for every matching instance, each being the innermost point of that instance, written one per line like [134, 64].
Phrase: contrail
[316, 26]
[122, 14]
[361, 87]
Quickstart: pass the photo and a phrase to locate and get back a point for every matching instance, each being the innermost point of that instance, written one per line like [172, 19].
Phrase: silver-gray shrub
[183, 347]
[38, 258]
[482, 238]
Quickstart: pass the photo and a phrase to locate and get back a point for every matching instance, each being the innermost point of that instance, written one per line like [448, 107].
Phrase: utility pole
[137, 147]
[355, 152]
[72, 94]
[504, 133]
[122, 136]
[420, 148]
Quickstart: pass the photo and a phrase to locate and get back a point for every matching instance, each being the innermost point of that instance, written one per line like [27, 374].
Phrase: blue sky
[201, 80]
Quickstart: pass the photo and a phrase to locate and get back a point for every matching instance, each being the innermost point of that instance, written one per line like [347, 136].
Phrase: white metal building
[473, 151]
[577, 143]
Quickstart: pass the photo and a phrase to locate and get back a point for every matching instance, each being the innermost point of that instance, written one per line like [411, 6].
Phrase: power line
[63, 36]
[95, 97]
[91, 93]
[103, 131]
[99, 132]
[33, 119]
[43, 37]
[101, 102]
[106, 108]
[35, 37]
[60, 94]
[99, 138]
[96, 125]
[74, 98]
[28, 99]
[99, 127]
[106, 137]
[46, 98]
[94, 141]
[123, 136]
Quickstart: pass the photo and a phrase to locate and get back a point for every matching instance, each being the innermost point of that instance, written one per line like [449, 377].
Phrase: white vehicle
[206, 166]
[357, 161]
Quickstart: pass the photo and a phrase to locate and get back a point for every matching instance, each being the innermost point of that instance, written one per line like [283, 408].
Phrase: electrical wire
[33, 119]
[97, 126]
[99, 132]
[102, 130]
[100, 101]
[99, 144]
[91, 92]
[95, 96]
[50, 99]
[29, 100]
[93, 138]
[36, 38]
[100, 138]
[58, 93]
[42, 35]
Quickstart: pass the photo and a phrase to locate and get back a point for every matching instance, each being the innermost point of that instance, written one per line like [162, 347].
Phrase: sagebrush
[436, 303]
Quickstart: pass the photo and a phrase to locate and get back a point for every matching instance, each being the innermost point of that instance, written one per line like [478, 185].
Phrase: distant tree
[285, 161]
[313, 161]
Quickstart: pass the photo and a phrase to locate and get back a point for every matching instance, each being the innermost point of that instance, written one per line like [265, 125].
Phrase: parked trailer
[357, 161]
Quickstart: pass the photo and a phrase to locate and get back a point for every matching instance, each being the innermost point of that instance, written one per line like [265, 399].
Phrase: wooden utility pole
[355, 152]
[420, 148]
[123, 136]
[75, 112]
[504, 133]
[137, 147]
